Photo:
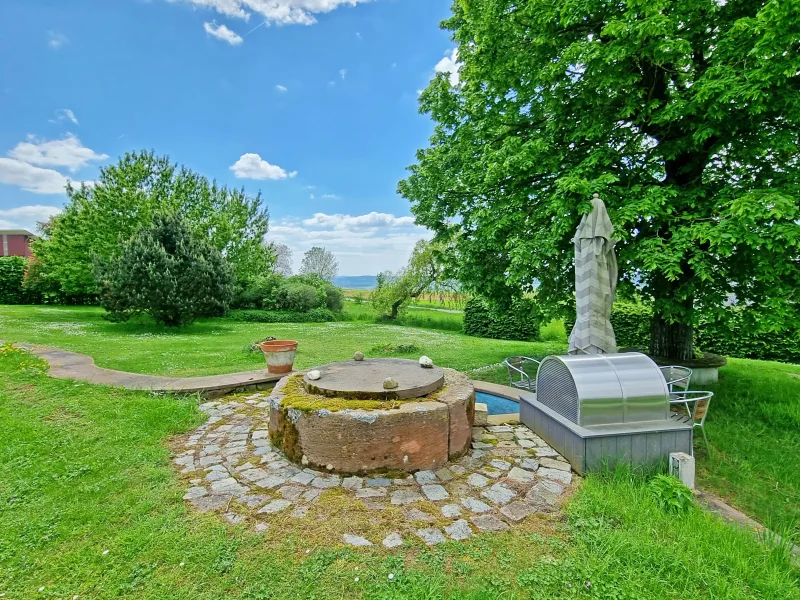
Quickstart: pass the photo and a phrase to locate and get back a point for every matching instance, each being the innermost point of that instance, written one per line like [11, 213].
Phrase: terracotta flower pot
[280, 355]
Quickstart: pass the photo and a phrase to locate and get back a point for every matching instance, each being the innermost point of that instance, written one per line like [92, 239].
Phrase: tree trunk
[671, 340]
[396, 308]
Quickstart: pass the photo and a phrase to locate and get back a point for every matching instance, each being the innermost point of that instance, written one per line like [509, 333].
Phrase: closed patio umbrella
[595, 283]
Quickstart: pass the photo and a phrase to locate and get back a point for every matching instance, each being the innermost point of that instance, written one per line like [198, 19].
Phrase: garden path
[72, 365]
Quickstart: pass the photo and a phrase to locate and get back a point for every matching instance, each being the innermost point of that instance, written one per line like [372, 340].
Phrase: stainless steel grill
[603, 389]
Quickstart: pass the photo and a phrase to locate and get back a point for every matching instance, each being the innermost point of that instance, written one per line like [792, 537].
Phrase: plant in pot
[279, 355]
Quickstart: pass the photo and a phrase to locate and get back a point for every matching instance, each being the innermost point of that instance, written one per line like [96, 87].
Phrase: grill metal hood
[603, 389]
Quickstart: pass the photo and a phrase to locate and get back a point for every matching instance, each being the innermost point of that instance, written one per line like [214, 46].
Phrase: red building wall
[14, 245]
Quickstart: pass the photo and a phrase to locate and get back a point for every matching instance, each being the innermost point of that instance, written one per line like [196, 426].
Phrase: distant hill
[356, 282]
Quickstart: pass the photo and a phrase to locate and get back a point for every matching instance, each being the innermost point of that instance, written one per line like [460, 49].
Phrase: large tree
[320, 262]
[684, 115]
[129, 195]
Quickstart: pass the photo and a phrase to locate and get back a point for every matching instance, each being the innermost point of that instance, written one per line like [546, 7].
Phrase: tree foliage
[683, 115]
[283, 258]
[320, 262]
[394, 291]
[166, 272]
[128, 196]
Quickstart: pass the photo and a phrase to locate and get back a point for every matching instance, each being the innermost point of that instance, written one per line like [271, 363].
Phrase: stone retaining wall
[415, 436]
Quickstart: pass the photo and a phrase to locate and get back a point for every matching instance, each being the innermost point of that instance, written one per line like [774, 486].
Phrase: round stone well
[346, 421]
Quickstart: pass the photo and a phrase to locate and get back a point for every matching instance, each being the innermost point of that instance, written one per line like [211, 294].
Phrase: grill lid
[600, 389]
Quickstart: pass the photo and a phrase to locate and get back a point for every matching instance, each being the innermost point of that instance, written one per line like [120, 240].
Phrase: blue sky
[313, 102]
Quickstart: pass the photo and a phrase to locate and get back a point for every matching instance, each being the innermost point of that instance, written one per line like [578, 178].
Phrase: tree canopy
[320, 262]
[164, 270]
[129, 195]
[683, 115]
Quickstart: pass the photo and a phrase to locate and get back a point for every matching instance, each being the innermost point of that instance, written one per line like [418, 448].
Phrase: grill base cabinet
[600, 410]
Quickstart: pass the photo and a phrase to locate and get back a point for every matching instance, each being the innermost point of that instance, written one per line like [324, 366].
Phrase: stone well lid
[363, 380]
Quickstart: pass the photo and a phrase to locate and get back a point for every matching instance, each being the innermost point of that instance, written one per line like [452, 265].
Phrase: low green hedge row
[731, 337]
[13, 290]
[518, 322]
[12, 273]
[315, 315]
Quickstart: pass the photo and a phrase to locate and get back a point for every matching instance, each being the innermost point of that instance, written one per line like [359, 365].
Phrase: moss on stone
[287, 438]
[295, 396]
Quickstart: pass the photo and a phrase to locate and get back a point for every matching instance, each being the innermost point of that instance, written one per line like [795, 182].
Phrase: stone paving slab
[233, 470]
[72, 365]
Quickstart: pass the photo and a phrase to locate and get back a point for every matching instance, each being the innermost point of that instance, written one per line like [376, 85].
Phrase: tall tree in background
[320, 262]
[283, 258]
[129, 195]
[684, 115]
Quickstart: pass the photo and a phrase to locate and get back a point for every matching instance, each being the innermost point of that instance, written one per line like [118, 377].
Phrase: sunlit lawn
[753, 423]
[214, 346]
[90, 507]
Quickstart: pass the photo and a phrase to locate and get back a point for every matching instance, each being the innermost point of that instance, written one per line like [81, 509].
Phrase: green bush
[334, 298]
[258, 292]
[315, 315]
[518, 322]
[167, 273]
[297, 297]
[12, 275]
[299, 293]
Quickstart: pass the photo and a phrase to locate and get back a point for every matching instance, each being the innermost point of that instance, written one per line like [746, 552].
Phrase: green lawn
[753, 423]
[214, 346]
[90, 506]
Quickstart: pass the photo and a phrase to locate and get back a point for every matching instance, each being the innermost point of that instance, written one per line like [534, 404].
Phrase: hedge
[315, 315]
[734, 338]
[519, 322]
[12, 274]
[730, 337]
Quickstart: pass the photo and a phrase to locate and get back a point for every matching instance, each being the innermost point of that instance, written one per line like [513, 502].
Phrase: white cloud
[330, 196]
[278, 12]
[55, 39]
[67, 152]
[252, 166]
[65, 114]
[363, 244]
[281, 88]
[221, 32]
[30, 178]
[449, 64]
[342, 73]
[371, 220]
[26, 217]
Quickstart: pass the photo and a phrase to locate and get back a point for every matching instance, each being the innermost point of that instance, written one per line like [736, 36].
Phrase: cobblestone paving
[509, 475]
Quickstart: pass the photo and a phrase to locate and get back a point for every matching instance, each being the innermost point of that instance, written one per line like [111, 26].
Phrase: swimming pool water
[496, 404]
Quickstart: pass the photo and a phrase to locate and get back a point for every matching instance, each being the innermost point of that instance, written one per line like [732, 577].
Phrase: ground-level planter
[279, 355]
[705, 369]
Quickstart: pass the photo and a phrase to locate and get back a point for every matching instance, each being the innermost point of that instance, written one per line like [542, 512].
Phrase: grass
[753, 423]
[445, 300]
[213, 346]
[90, 506]
[754, 429]
[428, 319]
